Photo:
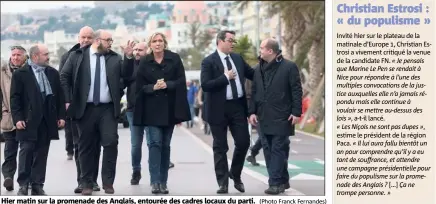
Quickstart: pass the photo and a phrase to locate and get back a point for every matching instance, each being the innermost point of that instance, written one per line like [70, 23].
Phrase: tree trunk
[321, 127]
[316, 63]
[314, 102]
[295, 27]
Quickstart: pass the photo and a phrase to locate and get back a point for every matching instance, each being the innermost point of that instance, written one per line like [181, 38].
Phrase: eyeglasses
[231, 40]
[109, 40]
[17, 47]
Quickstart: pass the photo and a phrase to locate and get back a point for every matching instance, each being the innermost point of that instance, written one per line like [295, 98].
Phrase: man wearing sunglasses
[17, 59]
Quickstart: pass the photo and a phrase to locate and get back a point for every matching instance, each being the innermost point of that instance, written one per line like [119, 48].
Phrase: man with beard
[17, 60]
[133, 54]
[94, 74]
[38, 110]
[86, 35]
[275, 107]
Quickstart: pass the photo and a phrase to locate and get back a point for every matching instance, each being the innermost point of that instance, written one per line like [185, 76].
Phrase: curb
[253, 174]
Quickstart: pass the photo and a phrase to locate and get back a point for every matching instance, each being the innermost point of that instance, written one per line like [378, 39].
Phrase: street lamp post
[189, 61]
[258, 26]
[279, 30]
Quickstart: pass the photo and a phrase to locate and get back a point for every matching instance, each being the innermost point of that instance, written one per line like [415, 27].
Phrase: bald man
[86, 37]
[38, 110]
[132, 54]
[275, 110]
[95, 105]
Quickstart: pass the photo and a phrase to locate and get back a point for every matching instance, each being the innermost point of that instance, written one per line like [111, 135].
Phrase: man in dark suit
[86, 37]
[223, 75]
[38, 110]
[93, 73]
[276, 105]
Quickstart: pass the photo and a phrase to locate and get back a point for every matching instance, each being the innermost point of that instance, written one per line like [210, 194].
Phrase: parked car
[123, 116]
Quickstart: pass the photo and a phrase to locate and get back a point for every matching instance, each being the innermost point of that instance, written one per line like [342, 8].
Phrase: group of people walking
[85, 95]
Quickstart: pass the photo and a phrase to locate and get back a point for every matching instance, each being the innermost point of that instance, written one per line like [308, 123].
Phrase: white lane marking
[304, 176]
[308, 134]
[248, 171]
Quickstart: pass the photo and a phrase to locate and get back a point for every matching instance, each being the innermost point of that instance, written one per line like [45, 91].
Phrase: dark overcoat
[76, 77]
[166, 106]
[276, 97]
[27, 103]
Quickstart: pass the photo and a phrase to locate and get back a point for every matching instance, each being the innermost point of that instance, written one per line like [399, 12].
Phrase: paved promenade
[193, 173]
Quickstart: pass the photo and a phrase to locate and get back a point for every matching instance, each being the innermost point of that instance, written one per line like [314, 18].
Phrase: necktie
[232, 81]
[96, 97]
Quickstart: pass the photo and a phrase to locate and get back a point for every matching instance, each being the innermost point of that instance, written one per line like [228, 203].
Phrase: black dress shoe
[275, 190]
[87, 191]
[108, 189]
[223, 189]
[8, 184]
[155, 188]
[238, 184]
[37, 190]
[252, 160]
[23, 191]
[163, 188]
[286, 185]
[78, 189]
[136, 177]
[240, 187]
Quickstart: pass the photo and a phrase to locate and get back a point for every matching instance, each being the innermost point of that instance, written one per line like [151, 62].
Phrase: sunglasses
[17, 47]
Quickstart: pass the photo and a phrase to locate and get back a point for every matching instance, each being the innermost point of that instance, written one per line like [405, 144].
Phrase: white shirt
[105, 96]
[229, 94]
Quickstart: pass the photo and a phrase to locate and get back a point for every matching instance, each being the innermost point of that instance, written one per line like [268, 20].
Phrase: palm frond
[240, 5]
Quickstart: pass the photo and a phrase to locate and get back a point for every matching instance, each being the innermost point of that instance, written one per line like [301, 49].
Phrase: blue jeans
[276, 152]
[136, 138]
[158, 142]
[192, 110]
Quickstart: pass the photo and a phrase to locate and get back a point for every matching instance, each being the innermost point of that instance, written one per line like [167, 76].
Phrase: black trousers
[69, 134]
[32, 162]
[9, 166]
[98, 126]
[236, 121]
[73, 129]
[276, 152]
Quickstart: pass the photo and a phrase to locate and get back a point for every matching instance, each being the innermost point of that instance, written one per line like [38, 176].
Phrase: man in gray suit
[94, 74]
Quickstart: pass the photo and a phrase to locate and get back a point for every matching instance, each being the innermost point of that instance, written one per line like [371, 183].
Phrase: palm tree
[304, 42]
[245, 48]
[200, 38]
